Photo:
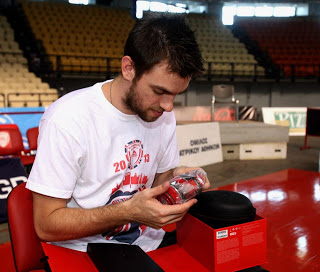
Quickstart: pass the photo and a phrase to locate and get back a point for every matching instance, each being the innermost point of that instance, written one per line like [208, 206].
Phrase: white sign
[199, 144]
[294, 118]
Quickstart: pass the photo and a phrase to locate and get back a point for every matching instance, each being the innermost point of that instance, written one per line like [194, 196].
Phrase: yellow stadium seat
[77, 31]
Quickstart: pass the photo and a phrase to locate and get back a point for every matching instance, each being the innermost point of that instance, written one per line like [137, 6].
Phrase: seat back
[11, 142]
[223, 93]
[26, 246]
[32, 135]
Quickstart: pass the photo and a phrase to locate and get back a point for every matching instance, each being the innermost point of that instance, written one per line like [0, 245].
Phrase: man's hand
[146, 209]
[166, 176]
[183, 169]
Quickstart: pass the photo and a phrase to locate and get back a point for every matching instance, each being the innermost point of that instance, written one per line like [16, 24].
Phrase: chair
[27, 250]
[224, 95]
[32, 135]
[11, 144]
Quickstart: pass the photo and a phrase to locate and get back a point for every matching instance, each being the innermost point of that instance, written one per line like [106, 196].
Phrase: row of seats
[228, 69]
[87, 64]
[30, 99]
[85, 51]
[77, 33]
[12, 58]
[225, 53]
[7, 42]
[18, 75]
[292, 43]
[12, 143]
[18, 86]
[85, 36]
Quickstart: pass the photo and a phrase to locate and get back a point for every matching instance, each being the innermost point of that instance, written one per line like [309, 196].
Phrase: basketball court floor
[286, 193]
[290, 201]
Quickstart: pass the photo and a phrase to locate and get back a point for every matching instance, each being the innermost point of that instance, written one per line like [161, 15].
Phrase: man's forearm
[73, 223]
[163, 177]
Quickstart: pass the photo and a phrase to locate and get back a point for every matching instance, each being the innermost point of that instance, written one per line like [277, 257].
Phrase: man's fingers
[187, 205]
[183, 169]
[206, 184]
[178, 209]
[160, 189]
[155, 214]
[174, 213]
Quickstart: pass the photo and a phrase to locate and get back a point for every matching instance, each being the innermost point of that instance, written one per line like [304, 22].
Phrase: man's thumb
[160, 189]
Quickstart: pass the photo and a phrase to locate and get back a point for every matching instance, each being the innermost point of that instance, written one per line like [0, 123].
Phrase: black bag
[12, 173]
[121, 258]
[220, 208]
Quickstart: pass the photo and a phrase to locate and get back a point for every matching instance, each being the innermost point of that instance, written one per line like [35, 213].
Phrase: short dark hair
[164, 37]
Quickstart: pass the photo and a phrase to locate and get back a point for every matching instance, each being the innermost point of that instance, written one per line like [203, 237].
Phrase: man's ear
[127, 68]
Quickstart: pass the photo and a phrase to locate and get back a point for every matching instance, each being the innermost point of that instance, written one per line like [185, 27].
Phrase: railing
[232, 72]
[11, 52]
[108, 66]
[62, 64]
[112, 65]
[39, 98]
[301, 70]
[3, 99]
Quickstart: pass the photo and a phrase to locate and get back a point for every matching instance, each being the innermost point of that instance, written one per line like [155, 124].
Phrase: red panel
[64, 259]
[22, 234]
[27, 159]
[6, 258]
[11, 143]
[170, 227]
[32, 135]
[10, 140]
[174, 258]
[226, 249]
[197, 239]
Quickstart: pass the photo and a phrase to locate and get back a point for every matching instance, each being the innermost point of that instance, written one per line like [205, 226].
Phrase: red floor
[290, 201]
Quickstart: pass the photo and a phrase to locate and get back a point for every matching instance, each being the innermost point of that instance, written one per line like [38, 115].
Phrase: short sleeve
[57, 166]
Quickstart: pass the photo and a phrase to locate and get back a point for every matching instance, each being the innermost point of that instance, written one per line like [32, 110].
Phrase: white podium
[199, 144]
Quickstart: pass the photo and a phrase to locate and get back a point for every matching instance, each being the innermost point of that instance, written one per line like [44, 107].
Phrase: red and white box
[225, 249]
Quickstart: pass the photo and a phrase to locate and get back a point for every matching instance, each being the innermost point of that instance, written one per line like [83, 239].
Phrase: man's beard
[132, 101]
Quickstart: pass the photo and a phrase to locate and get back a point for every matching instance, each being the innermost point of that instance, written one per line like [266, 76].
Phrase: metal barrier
[3, 99]
[27, 99]
[66, 64]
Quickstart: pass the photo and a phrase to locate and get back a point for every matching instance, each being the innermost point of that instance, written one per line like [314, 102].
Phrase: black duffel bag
[220, 208]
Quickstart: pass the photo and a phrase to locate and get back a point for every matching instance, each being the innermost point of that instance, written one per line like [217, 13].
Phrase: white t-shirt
[94, 155]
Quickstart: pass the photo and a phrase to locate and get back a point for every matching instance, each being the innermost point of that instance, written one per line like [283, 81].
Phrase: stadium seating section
[90, 39]
[86, 38]
[292, 43]
[18, 86]
[221, 49]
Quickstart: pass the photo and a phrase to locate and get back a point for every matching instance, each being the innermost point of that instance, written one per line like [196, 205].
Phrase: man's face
[154, 93]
